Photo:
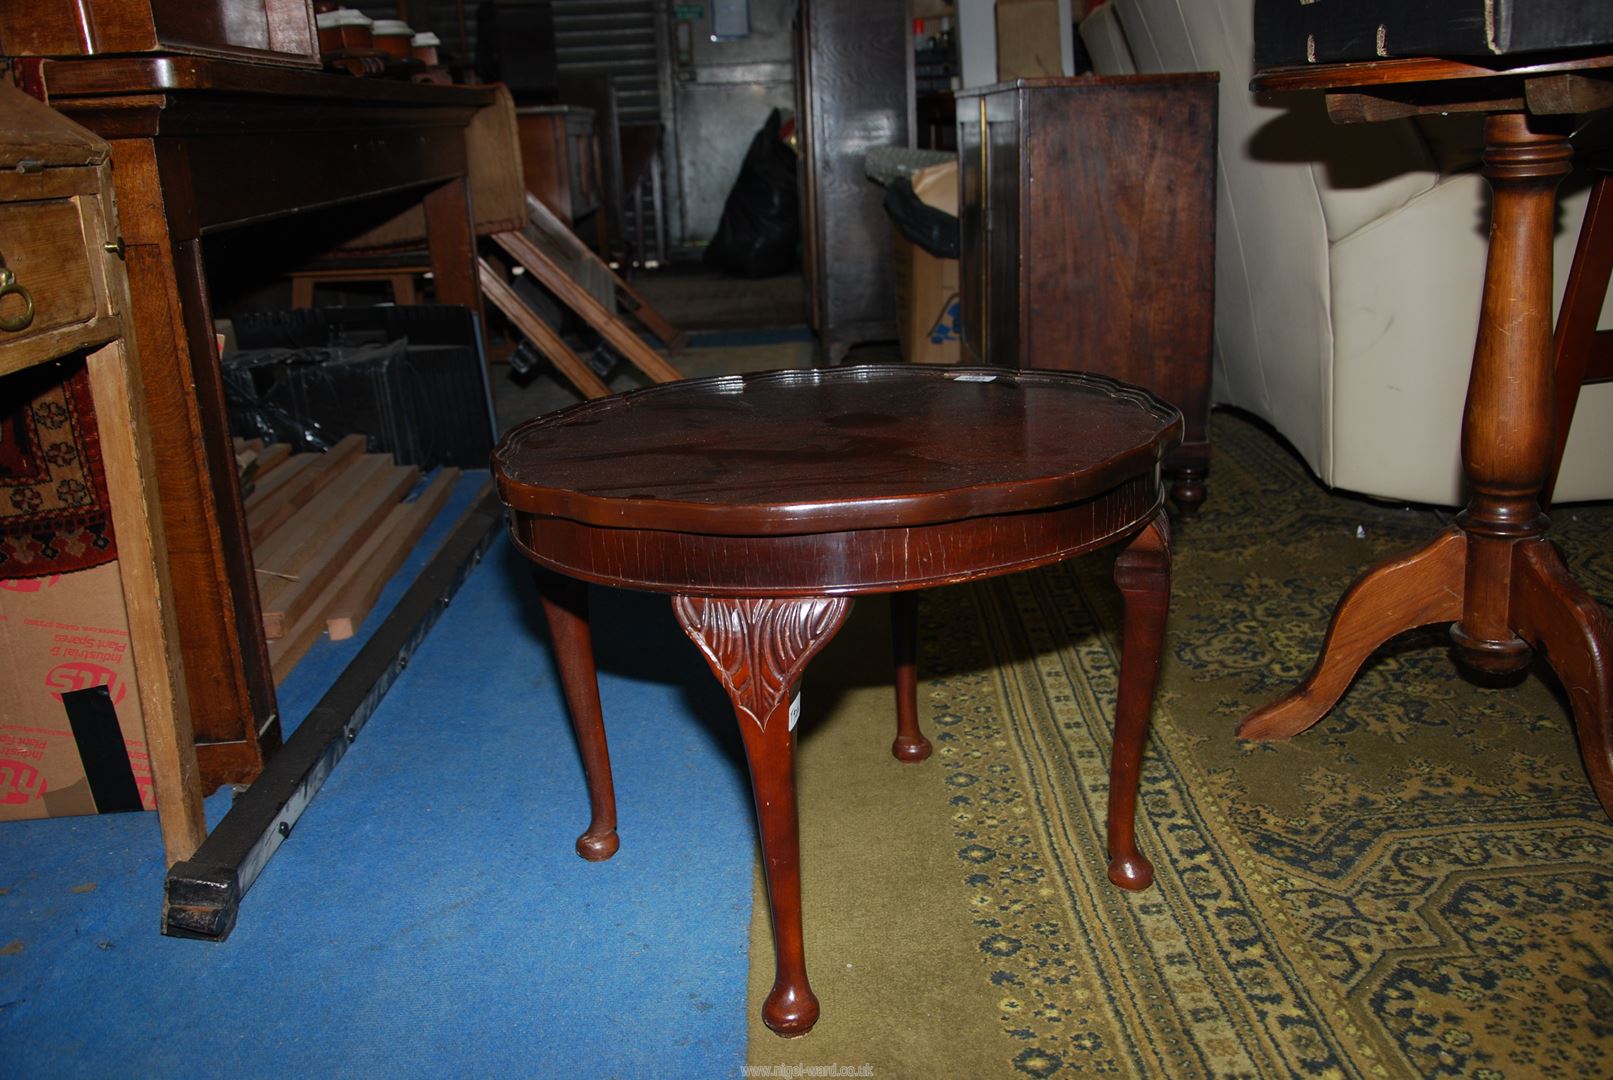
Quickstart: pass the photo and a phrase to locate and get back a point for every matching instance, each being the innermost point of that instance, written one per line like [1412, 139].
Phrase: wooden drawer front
[43, 245]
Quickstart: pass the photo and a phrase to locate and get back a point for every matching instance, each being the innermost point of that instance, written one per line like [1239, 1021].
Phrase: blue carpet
[428, 915]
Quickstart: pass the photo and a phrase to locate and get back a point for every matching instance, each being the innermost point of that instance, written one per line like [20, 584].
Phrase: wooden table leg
[565, 605]
[1495, 575]
[1143, 574]
[1572, 632]
[910, 744]
[758, 649]
[1398, 594]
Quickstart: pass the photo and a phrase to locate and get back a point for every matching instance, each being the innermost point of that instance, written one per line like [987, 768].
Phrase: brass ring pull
[8, 285]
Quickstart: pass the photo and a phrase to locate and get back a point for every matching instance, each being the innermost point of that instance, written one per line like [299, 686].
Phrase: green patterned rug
[1422, 885]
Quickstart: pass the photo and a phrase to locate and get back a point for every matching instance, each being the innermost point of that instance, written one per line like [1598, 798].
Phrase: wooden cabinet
[560, 158]
[261, 30]
[65, 294]
[205, 147]
[1087, 218]
[853, 59]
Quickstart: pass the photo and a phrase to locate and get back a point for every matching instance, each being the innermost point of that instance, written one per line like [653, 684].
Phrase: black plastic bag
[760, 228]
[936, 231]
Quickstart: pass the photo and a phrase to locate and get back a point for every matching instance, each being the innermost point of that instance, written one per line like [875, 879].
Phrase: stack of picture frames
[548, 250]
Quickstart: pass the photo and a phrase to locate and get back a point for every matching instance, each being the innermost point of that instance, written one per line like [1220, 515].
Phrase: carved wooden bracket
[758, 648]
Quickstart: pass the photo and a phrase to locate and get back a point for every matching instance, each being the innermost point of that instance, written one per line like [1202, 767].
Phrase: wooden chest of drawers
[1087, 217]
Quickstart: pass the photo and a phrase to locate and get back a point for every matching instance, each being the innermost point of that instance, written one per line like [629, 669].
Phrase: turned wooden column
[1507, 425]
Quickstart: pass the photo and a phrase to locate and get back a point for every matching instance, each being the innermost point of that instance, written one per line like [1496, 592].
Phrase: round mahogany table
[764, 503]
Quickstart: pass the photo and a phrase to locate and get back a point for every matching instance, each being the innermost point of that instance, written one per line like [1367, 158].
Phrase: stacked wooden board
[328, 530]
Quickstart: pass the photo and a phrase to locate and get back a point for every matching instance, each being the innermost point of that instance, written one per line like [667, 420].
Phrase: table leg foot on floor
[1143, 575]
[1399, 594]
[910, 745]
[758, 649]
[910, 748]
[1132, 872]
[565, 606]
[1574, 636]
[597, 847]
[789, 1010]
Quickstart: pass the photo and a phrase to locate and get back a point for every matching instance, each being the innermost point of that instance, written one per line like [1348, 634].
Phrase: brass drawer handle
[8, 285]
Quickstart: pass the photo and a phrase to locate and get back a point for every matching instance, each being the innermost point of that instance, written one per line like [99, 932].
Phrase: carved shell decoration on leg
[759, 647]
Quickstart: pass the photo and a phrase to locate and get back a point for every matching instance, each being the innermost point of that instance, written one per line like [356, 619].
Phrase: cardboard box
[927, 308]
[927, 304]
[59, 634]
[1034, 38]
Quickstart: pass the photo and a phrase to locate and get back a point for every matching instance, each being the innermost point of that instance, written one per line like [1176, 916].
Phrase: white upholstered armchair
[1347, 295]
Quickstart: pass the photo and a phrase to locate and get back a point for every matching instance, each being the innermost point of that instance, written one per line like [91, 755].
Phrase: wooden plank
[541, 221]
[271, 457]
[284, 652]
[612, 329]
[535, 330]
[293, 645]
[270, 513]
[131, 482]
[652, 320]
[369, 508]
[282, 556]
[345, 613]
[263, 486]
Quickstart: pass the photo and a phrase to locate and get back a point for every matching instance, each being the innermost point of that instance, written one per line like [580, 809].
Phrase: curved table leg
[565, 605]
[758, 649]
[1143, 574]
[1412, 590]
[1572, 632]
[910, 744]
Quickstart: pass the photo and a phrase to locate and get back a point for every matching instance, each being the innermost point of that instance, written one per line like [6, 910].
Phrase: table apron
[835, 563]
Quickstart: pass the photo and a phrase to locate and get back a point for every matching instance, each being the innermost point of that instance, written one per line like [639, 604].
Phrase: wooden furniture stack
[66, 294]
[1087, 236]
[218, 118]
[853, 59]
[560, 161]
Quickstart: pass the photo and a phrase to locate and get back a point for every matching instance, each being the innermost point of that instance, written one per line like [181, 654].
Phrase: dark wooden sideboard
[1087, 217]
[200, 146]
[560, 158]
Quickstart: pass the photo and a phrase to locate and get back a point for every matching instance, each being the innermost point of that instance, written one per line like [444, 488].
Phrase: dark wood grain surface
[849, 448]
[1421, 69]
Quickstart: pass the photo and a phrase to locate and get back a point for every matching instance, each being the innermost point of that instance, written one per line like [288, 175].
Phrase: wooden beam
[279, 502]
[345, 607]
[262, 486]
[535, 330]
[612, 329]
[114, 374]
[292, 598]
[283, 555]
[545, 222]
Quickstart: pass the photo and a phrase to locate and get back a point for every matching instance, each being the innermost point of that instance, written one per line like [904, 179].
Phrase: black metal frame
[203, 894]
